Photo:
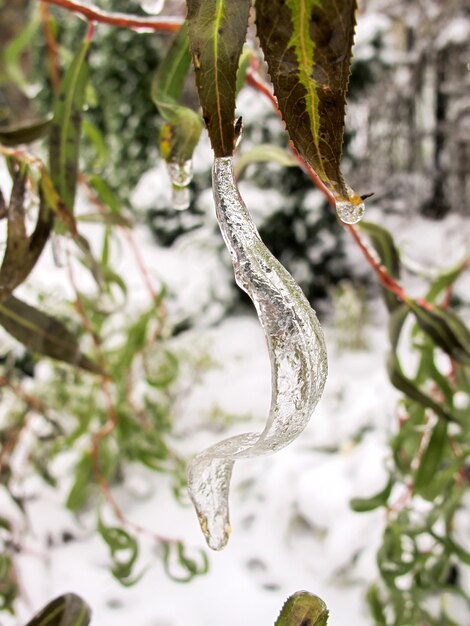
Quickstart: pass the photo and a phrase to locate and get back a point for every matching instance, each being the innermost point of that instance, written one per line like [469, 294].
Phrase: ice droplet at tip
[350, 212]
[181, 174]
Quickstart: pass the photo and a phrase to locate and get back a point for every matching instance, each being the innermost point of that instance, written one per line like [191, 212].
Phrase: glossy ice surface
[296, 349]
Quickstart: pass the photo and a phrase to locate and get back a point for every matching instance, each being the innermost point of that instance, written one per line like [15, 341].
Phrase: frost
[296, 349]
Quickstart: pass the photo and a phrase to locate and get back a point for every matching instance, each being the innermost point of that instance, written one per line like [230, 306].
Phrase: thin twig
[52, 48]
[120, 20]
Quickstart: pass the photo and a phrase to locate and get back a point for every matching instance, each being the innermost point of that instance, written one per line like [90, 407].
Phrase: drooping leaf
[124, 551]
[24, 132]
[362, 505]
[66, 610]
[175, 558]
[22, 251]
[303, 609]
[446, 329]
[384, 245]
[42, 334]
[307, 46]
[432, 456]
[217, 30]
[410, 389]
[65, 127]
[180, 136]
[264, 153]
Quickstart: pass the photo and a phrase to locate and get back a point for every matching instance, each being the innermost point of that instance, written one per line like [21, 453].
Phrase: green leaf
[446, 329]
[445, 280]
[432, 457]
[307, 46]
[176, 552]
[22, 251]
[244, 64]
[181, 135]
[84, 480]
[264, 153]
[303, 609]
[376, 606]
[124, 551]
[362, 505]
[42, 333]
[217, 31]
[66, 610]
[384, 245]
[24, 132]
[65, 128]
[407, 386]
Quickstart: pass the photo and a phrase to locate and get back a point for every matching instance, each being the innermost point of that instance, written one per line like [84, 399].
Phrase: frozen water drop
[349, 211]
[181, 174]
[180, 198]
[152, 7]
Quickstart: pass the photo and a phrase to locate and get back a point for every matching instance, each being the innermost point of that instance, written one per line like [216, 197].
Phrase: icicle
[181, 174]
[152, 7]
[296, 349]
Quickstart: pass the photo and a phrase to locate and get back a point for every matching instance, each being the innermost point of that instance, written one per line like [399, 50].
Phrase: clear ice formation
[152, 7]
[296, 349]
[348, 212]
[180, 174]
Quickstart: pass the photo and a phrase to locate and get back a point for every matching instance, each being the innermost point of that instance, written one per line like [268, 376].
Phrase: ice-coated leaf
[296, 349]
[307, 46]
[41, 333]
[65, 128]
[185, 126]
[217, 31]
[303, 609]
[66, 610]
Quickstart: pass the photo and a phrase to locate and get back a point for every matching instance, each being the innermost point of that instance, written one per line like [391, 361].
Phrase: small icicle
[152, 7]
[296, 349]
[181, 174]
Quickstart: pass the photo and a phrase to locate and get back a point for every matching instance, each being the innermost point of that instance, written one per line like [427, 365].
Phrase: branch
[121, 20]
[388, 282]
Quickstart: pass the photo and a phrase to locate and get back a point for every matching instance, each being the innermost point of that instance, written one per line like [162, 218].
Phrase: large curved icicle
[296, 349]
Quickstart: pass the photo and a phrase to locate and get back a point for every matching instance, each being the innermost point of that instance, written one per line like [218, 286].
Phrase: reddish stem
[52, 49]
[121, 20]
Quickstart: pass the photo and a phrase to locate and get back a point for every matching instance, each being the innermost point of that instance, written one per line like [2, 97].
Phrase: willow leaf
[217, 30]
[66, 610]
[24, 132]
[42, 333]
[307, 46]
[303, 609]
[66, 125]
[184, 126]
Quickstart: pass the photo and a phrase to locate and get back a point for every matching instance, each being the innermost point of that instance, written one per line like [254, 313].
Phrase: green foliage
[303, 609]
[419, 559]
[66, 610]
